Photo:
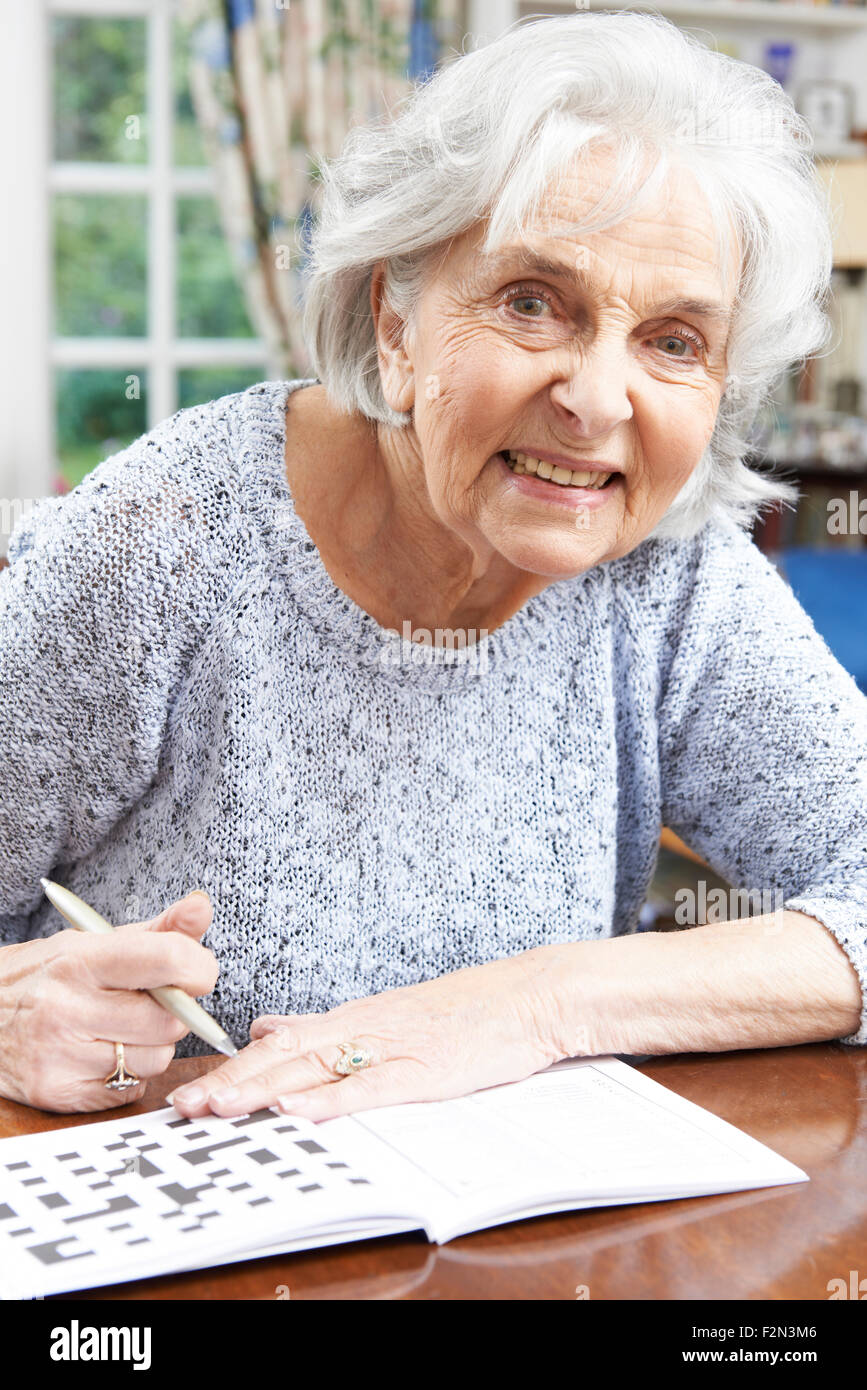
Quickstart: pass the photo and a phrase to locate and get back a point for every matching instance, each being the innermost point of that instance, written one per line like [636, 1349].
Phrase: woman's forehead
[677, 211]
[664, 240]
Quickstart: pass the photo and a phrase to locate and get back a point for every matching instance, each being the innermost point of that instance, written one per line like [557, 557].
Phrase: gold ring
[352, 1059]
[121, 1079]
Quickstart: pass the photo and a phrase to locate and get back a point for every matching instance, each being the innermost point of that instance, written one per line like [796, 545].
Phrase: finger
[389, 1083]
[263, 1089]
[272, 1050]
[73, 1078]
[88, 1096]
[269, 1023]
[129, 959]
[69, 1006]
[143, 1062]
[91, 1092]
[191, 915]
[130, 1016]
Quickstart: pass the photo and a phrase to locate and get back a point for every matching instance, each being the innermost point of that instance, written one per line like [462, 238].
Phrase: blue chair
[831, 585]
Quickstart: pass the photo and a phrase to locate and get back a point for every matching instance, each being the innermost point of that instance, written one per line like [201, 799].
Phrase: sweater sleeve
[763, 745]
[107, 594]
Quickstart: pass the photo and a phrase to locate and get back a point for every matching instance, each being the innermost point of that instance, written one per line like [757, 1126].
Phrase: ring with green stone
[352, 1059]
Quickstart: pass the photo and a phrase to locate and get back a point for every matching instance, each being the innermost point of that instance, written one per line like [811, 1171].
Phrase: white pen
[177, 1001]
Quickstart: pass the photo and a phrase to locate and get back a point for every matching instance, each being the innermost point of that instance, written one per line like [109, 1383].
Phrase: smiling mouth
[523, 465]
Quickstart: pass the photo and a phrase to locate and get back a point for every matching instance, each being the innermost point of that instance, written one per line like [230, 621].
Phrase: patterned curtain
[276, 84]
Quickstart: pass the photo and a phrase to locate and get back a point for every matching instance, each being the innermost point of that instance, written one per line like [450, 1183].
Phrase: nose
[594, 395]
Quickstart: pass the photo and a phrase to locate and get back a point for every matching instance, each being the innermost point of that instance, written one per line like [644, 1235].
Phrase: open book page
[150, 1194]
[588, 1132]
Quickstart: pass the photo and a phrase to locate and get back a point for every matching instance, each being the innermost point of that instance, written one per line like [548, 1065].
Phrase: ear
[395, 363]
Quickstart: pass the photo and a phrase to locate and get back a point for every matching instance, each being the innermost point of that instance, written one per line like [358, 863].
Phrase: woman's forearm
[756, 982]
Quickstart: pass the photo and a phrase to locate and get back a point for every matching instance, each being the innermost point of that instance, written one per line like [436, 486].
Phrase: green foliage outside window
[210, 302]
[100, 265]
[98, 413]
[100, 98]
[100, 240]
[201, 384]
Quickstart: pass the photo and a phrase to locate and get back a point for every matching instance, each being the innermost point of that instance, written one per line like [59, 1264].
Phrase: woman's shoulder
[183, 473]
[159, 523]
[719, 557]
[191, 461]
[703, 587]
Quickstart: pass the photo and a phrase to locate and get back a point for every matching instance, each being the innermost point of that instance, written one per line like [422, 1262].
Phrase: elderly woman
[407, 663]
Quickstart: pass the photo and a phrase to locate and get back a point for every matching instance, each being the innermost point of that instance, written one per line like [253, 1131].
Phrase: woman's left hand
[443, 1038]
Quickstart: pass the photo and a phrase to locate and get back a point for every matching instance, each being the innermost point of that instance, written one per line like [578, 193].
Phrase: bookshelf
[831, 512]
[810, 15]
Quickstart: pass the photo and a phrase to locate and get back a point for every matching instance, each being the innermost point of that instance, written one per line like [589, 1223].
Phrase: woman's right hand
[66, 999]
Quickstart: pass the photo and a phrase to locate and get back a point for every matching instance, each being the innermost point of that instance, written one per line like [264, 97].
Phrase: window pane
[98, 413]
[199, 384]
[210, 303]
[188, 144]
[99, 89]
[100, 265]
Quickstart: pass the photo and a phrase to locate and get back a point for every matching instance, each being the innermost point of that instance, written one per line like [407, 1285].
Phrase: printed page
[150, 1194]
[585, 1132]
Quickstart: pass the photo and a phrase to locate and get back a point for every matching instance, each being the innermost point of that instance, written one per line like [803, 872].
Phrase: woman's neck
[378, 536]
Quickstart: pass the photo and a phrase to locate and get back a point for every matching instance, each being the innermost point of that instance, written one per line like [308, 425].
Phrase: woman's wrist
[767, 981]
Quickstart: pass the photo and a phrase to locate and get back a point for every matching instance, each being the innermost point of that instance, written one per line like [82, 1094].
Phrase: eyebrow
[525, 259]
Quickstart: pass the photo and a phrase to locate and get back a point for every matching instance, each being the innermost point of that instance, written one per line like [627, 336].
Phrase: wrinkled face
[603, 359]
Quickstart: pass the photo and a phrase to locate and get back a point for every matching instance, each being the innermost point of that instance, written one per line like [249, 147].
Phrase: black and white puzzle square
[129, 1193]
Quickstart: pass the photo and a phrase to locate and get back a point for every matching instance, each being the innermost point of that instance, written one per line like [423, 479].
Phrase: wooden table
[809, 1103]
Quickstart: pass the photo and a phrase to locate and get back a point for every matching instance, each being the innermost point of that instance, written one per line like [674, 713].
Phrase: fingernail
[229, 1095]
[199, 891]
[293, 1104]
[190, 1095]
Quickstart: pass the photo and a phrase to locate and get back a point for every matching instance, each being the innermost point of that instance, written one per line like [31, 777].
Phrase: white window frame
[26, 434]
[31, 351]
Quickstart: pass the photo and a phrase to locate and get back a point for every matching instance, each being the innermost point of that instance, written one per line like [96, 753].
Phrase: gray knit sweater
[187, 700]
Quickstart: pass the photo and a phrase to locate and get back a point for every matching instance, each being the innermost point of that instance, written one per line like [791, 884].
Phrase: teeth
[522, 464]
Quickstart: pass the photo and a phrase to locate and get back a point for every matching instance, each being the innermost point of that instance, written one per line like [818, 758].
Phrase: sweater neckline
[357, 635]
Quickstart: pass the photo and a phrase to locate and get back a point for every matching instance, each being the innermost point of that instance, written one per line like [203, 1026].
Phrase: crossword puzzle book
[129, 1198]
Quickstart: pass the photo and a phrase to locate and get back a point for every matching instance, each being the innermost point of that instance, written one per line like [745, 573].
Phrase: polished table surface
[808, 1103]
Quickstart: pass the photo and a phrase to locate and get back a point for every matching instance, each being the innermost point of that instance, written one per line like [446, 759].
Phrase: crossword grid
[158, 1181]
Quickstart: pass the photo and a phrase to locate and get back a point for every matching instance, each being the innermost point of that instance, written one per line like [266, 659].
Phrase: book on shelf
[826, 516]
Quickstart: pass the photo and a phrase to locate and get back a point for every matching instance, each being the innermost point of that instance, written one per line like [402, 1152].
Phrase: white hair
[483, 139]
